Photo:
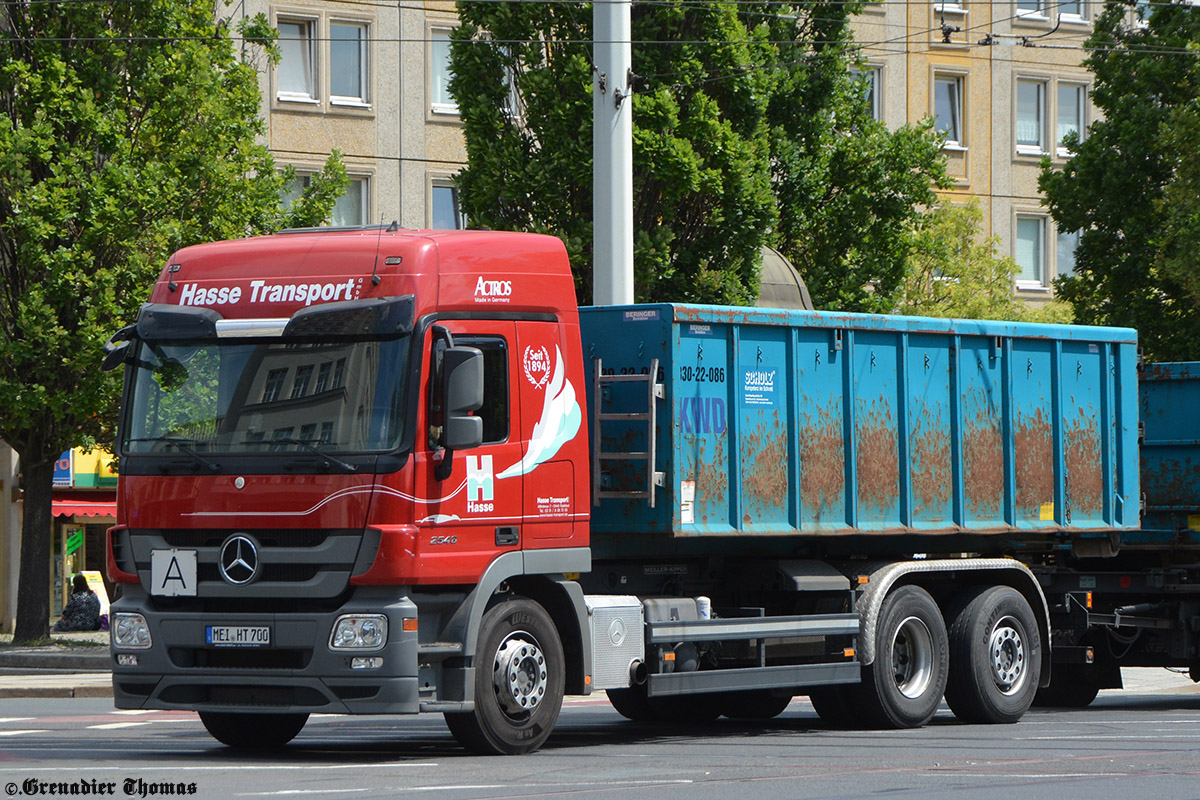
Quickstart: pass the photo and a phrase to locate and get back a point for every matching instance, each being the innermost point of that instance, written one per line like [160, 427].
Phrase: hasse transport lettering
[383, 472]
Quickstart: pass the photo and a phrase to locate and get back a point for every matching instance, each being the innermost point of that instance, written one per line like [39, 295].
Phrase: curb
[55, 691]
[100, 661]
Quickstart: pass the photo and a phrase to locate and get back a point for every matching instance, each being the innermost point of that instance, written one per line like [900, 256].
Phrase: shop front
[84, 506]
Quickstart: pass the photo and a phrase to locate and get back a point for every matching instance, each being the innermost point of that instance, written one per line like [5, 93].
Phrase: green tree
[129, 129]
[953, 271]
[1132, 183]
[739, 121]
[849, 191]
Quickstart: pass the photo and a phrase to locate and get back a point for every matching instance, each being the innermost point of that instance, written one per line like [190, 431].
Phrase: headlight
[359, 632]
[131, 630]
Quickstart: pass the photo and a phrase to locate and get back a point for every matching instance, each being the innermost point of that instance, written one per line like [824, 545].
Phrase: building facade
[1005, 80]
[370, 80]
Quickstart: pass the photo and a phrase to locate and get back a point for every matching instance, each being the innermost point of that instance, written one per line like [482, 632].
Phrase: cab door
[474, 513]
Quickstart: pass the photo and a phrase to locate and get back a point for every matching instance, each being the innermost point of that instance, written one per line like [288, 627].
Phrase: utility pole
[612, 154]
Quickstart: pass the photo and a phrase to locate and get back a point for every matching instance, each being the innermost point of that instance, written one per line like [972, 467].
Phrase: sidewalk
[73, 665]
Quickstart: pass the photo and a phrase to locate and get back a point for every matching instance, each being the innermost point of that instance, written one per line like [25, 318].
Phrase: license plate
[238, 635]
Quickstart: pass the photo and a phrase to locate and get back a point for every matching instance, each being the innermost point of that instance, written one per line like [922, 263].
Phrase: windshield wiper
[308, 446]
[182, 446]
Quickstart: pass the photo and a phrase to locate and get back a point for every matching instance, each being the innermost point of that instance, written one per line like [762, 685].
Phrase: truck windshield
[260, 397]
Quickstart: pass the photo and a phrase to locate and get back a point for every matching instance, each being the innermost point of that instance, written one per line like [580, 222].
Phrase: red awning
[97, 504]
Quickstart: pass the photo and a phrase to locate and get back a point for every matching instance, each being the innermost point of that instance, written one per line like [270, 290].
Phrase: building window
[1070, 113]
[303, 377]
[445, 212]
[871, 89]
[1031, 116]
[1072, 10]
[440, 101]
[1031, 8]
[347, 64]
[351, 207]
[949, 6]
[1067, 244]
[274, 385]
[1030, 251]
[947, 108]
[297, 70]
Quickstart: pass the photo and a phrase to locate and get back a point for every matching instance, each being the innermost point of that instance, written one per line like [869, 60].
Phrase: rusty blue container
[816, 423]
[1170, 465]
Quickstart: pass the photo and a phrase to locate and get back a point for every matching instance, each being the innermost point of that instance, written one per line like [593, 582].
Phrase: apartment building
[368, 78]
[1005, 80]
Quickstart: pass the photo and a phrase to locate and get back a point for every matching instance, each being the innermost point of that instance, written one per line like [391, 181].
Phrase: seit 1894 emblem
[537, 366]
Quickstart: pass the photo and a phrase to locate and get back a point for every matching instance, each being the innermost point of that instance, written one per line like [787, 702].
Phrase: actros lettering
[492, 288]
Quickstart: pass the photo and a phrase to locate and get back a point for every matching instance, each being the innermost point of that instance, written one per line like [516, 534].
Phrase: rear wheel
[631, 703]
[519, 680]
[1071, 686]
[253, 731]
[995, 656]
[836, 705]
[904, 685]
[757, 704]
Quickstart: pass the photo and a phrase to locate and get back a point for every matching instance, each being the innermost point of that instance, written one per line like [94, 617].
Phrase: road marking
[467, 787]
[229, 767]
[115, 725]
[14, 719]
[132, 711]
[18, 733]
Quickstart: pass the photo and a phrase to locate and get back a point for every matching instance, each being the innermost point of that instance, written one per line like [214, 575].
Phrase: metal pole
[612, 155]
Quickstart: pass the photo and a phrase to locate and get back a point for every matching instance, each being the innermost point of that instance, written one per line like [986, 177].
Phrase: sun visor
[374, 317]
[157, 321]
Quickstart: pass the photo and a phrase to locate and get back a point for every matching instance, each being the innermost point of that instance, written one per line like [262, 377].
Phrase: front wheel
[995, 656]
[904, 685]
[253, 731]
[519, 682]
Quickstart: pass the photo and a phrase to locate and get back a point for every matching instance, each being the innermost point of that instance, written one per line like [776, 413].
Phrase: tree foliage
[954, 271]
[128, 130]
[1132, 184]
[748, 130]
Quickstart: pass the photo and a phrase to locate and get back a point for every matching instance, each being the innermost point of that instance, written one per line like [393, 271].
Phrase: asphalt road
[1127, 746]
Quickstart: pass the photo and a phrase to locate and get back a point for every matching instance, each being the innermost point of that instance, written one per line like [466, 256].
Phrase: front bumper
[297, 672]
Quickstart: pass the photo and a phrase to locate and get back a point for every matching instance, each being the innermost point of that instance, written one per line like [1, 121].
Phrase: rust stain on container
[822, 462]
[1034, 453]
[931, 468]
[983, 466]
[712, 477]
[1085, 481]
[765, 464]
[878, 459]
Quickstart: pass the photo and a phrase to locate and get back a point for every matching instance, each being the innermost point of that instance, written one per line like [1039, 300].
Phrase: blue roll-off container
[1170, 474]
[818, 423]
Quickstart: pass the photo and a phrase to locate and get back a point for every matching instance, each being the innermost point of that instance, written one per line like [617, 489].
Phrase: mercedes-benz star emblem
[238, 561]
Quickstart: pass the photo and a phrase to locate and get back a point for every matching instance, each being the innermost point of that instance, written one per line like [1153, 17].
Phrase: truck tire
[631, 703]
[903, 687]
[1071, 686]
[253, 731]
[519, 680]
[836, 705]
[756, 704]
[995, 656]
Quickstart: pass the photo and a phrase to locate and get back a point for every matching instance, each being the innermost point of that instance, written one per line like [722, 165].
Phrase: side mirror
[462, 388]
[116, 349]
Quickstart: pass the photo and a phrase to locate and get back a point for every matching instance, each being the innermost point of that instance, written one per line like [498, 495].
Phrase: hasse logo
[492, 291]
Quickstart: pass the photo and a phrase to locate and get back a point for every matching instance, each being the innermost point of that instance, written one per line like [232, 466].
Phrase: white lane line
[229, 767]
[135, 711]
[108, 726]
[18, 733]
[1111, 736]
[14, 719]
[464, 787]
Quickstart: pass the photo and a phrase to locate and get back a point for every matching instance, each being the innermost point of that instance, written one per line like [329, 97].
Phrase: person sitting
[83, 610]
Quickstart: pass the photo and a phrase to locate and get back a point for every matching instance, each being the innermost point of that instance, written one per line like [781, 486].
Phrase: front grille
[244, 696]
[314, 565]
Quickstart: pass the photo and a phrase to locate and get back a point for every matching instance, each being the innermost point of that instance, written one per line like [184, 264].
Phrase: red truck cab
[296, 532]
